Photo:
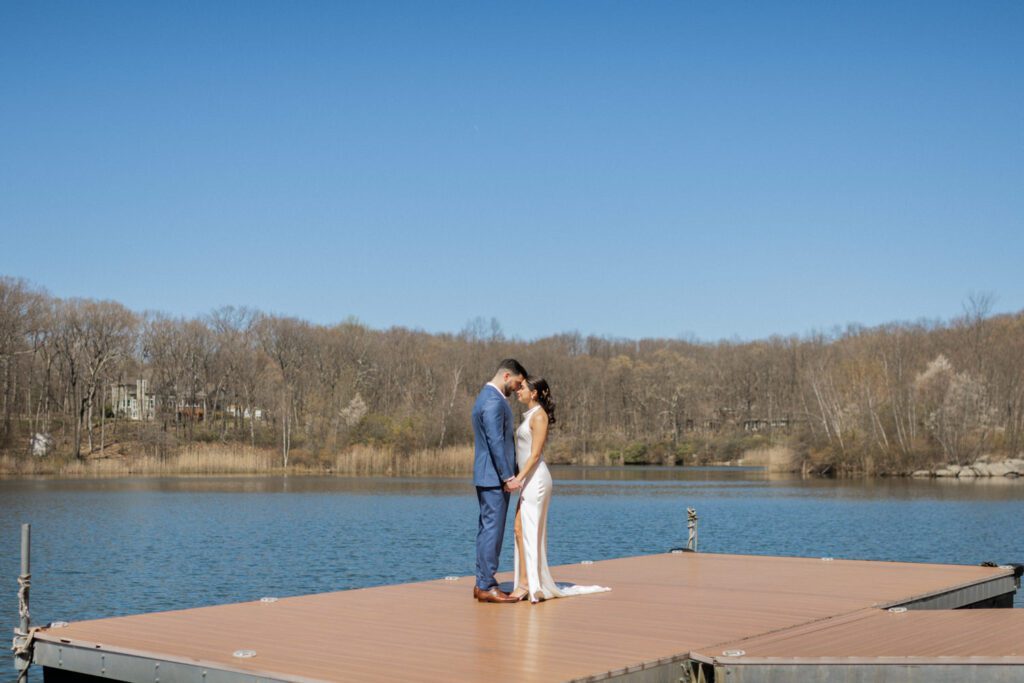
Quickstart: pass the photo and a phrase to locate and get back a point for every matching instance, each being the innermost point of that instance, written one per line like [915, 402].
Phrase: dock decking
[665, 614]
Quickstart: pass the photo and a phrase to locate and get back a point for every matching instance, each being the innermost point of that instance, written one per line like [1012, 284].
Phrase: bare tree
[286, 342]
[20, 315]
[855, 398]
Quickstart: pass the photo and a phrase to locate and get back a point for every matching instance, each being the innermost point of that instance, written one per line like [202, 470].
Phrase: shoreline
[169, 471]
[217, 459]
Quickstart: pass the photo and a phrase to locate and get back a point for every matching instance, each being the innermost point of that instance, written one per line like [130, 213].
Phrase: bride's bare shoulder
[539, 418]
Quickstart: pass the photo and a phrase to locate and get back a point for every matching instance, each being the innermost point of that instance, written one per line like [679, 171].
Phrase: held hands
[513, 484]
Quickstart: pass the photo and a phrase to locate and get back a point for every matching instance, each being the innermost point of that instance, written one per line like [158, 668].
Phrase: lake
[106, 547]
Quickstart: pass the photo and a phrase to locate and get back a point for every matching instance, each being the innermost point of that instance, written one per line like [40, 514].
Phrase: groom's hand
[512, 484]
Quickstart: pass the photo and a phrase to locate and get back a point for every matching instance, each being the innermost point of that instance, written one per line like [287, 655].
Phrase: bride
[533, 579]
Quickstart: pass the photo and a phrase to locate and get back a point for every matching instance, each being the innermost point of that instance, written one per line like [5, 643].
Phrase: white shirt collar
[498, 389]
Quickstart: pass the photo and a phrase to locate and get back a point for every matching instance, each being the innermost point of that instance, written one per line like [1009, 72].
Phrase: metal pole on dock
[23, 635]
[691, 525]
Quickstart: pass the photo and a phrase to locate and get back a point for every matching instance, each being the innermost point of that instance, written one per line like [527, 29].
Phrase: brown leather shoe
[492, 595]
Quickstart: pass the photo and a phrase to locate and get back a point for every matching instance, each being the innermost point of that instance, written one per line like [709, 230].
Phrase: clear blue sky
[636, 169]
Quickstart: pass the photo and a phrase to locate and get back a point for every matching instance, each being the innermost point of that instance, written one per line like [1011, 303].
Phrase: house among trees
[133, 401]
[761, 424]
[194, 410]
[235, 410]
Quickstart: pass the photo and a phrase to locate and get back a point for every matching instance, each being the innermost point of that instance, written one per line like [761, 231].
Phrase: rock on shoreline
[1013, 467]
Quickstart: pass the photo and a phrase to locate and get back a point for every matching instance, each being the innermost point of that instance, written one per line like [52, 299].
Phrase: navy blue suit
[494, 462]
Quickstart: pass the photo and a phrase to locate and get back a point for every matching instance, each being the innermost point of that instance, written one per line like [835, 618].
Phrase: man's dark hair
[513, 366]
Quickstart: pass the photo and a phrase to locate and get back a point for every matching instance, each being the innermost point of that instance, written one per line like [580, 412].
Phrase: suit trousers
[490, 533]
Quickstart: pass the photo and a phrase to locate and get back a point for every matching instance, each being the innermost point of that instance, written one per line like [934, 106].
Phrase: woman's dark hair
[540, 385]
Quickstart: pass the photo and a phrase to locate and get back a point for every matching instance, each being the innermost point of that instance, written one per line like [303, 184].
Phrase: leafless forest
[888, 399]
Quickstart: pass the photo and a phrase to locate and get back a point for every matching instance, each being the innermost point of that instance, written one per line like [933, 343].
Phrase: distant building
[762, 424]
[191, 412]
[241, 411]
[133, 401]
[185, 408]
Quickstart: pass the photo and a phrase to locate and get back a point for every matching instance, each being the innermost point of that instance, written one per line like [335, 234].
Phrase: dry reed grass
[367, 460]
[196, 459]
[774, 459]
[200, 459]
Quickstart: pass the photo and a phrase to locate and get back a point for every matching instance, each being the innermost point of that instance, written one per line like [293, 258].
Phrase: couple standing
[506, 460]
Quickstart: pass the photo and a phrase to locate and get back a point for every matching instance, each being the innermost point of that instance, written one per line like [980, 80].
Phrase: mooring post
[691, 525]
[23, 635]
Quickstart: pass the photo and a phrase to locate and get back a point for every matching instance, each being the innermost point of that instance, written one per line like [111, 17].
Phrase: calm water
[123, 546]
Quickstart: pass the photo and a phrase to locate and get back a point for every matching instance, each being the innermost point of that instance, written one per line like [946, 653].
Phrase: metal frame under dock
[670, 617]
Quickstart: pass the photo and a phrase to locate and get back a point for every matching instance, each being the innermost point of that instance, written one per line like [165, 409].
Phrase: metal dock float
[668, 617]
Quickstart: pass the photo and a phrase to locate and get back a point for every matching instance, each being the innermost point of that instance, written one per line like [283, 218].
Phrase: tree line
[884, 399]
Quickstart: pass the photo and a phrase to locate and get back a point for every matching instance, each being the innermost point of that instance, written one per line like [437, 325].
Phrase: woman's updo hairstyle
[540, 385]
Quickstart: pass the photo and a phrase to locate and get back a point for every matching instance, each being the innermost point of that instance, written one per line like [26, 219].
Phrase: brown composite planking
[871, 635]
[660, 606]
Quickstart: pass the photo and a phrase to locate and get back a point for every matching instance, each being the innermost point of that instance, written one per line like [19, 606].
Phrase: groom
[494, 471]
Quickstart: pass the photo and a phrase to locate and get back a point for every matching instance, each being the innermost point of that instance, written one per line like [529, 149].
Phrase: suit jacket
[495, 449]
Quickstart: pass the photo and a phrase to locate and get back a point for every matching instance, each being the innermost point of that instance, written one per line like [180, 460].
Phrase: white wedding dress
[533, 510]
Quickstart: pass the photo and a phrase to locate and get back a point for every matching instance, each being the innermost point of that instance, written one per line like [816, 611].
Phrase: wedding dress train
[533, 512]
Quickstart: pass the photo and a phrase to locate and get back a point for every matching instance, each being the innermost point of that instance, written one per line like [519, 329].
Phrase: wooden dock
[667, 617]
